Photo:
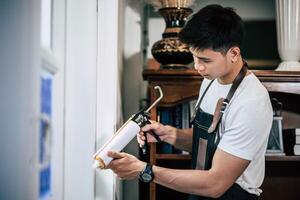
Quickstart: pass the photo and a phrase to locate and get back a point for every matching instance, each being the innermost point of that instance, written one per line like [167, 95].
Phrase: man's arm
[180, 138]
[225, 170]
[184, 139]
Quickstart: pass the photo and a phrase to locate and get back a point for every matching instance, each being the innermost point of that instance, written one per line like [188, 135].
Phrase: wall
[19, 94]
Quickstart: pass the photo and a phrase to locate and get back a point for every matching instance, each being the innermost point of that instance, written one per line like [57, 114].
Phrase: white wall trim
[57, 58]
[80, 95]
[108, 87]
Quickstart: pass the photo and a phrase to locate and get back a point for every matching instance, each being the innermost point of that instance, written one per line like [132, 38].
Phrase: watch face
[146, 177]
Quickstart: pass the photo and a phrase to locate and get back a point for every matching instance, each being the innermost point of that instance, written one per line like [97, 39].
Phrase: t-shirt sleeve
[247, 127]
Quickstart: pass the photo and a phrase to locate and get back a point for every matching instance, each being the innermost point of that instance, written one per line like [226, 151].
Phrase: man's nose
[199, 66]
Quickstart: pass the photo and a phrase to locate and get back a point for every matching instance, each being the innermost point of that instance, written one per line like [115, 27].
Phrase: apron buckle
[220, 108]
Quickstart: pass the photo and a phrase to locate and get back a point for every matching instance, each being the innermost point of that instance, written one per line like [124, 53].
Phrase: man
[232, 121]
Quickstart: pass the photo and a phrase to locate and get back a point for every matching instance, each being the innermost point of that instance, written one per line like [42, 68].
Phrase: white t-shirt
[245, 127]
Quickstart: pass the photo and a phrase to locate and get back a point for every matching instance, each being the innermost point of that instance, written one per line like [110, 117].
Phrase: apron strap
[200, 100]
[222, 103]
[206, 89]
[238, 79]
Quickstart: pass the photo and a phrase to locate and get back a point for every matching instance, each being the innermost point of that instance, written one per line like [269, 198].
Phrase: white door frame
[80, 99]
[109, 67]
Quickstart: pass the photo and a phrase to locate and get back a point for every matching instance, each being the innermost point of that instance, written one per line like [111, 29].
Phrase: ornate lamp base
[170, 52]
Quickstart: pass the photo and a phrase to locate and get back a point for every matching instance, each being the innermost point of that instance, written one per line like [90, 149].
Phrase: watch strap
[147, 171]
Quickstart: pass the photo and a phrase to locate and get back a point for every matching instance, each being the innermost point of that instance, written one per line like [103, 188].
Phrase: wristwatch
[147, 175]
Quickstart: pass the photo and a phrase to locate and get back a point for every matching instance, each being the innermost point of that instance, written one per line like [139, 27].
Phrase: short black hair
[213, 27]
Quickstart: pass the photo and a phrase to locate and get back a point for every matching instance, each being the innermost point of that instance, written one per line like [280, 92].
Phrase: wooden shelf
[173, 157]
[283, 158]
[180, 86]
[188, 157]
[192, 75]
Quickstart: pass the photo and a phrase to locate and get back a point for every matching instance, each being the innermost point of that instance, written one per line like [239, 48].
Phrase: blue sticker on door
[45, 137]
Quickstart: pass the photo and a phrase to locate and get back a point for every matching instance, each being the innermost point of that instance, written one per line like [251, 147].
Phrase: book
[177, 116]
[297, 149]
[297, 131]
[297, 136]
[192, 107]
[288, 141]
[297, 139]
[186, 120]
[290, 138]
[185, 115]
[166, 118]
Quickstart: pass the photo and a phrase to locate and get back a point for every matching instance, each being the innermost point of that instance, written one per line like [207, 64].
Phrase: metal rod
[161, 95]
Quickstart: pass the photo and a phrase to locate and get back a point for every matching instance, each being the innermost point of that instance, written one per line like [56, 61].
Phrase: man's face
[210, 64]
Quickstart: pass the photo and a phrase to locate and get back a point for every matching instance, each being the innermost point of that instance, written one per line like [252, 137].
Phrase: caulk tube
[120, 139]
[125, 134]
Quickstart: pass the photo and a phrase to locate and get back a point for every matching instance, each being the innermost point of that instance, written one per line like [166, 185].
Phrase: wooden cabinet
[282, 172]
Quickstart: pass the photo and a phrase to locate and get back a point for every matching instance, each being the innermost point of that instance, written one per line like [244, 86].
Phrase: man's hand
[124, 165]
[166, 133]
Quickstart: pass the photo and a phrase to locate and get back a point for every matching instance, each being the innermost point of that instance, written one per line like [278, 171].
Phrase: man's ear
[233, 54]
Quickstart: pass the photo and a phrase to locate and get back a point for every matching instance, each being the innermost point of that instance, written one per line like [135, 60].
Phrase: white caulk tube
[116, 143]
[124, 135]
